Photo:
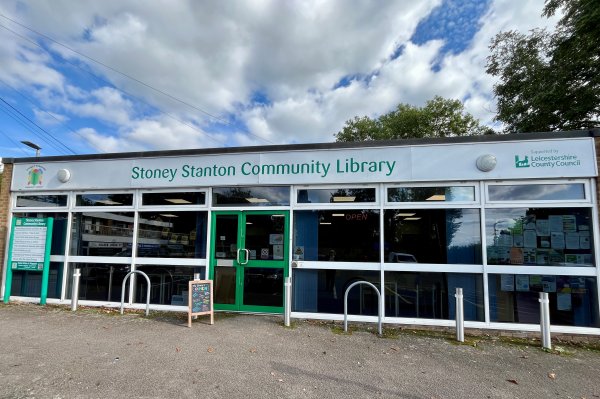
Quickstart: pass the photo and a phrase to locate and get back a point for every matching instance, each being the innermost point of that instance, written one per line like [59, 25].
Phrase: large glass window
[251, 196]
[104, 200]
[573, 299]
[431, 194]
[100, 282]
[170, 234]
[41, 201]
[322, 291]
[446, 236]
[537, 192]
[336, 195]
[344, 235]
[102, 233]
[540, 236]
[168, 284]
[431, 295]
[175, 198]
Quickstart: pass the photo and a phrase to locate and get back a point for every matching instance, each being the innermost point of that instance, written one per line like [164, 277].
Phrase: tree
[550, 81]
[439, 117]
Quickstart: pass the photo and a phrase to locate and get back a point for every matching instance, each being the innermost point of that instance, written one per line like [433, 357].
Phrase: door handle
[247, 256]
[237, 257]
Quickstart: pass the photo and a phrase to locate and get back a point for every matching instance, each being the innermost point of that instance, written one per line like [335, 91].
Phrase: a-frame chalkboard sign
[200, 300]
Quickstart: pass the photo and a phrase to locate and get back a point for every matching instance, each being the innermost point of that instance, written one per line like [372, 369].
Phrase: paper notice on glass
[535, 283]
[549, 283]
[275, 239]
[516, 256]
[507, 282]
[557, 240]
[542, 227]
[557, 257]
[518, 240]
[522, 282]
[563, 301]
[584, 242]
[530, 225]
[503, 255]
[555, 222]
[569, 223]
[542, 258]
[572, 240]
[529, 239]
[571, 259]
[278, 251]
[529, 256]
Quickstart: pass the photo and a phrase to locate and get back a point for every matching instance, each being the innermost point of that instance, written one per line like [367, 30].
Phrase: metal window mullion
[482, 225]
[381, 302]
[596, 239]
[133, 256]
[66, 268]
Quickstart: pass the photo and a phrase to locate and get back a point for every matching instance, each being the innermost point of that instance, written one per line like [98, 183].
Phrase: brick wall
[4, 211]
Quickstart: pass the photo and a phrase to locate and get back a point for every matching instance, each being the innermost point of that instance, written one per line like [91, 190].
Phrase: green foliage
[550, 81]
[439, 117]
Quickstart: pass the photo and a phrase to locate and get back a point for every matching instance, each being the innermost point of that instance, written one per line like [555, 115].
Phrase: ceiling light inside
[437, 197]
[344, 199]
[325, 223]
[108, 202]
[404, 214]
[338, 214]
[177, 201]
[257, 200]
[412, 218]
[169, 215]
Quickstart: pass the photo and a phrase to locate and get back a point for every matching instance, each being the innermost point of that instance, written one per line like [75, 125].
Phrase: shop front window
[344, 235]
[174, 199]
[540, 236]
[102, 234]
[514, 298]
[251, 196]
[100, 282]
[441, 236]
[169, 234]
[168, 284]
[104, 200]
[431, 194]
[322, 291]
[335, 195]
[59, 228]
[41, 201]
[537, 192]
[431, 295]
[29, 284]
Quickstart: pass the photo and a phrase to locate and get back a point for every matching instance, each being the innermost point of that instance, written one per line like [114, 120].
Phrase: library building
[504, 217]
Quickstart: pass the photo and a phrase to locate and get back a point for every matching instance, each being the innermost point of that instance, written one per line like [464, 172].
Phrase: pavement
[51, 352]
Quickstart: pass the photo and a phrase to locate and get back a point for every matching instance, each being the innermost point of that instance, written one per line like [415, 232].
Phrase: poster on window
[522, 282]
[507, 282]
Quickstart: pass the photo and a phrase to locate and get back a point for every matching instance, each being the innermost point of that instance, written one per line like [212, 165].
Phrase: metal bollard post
[288, 301]
[75, 290]
[545, 320]
[460, 316]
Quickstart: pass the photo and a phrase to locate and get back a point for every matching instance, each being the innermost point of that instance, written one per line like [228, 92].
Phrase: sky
[81, 77]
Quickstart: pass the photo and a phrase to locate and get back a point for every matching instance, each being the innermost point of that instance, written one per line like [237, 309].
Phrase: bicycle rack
[346, 304]
[147, 295]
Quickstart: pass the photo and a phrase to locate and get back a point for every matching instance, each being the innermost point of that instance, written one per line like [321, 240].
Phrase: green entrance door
[248, 260]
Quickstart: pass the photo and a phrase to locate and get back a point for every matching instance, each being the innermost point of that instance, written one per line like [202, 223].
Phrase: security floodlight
[36, 147]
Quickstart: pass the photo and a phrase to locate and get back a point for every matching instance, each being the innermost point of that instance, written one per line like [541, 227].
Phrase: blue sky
[113, 76]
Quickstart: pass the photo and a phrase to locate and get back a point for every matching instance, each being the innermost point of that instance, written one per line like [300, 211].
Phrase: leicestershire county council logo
[521, 163]
[35, 175]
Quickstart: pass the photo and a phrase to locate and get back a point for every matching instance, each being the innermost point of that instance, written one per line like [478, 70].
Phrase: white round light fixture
[63, 175]
[486, 163]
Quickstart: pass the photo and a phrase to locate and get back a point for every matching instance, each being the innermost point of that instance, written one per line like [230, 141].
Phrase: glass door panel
[265, 236]
[225, 284]
[263, 286]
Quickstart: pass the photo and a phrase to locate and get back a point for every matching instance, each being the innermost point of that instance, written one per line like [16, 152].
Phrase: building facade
[503, 217]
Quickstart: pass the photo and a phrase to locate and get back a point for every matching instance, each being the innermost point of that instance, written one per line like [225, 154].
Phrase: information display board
[200, 299]
[29, 250]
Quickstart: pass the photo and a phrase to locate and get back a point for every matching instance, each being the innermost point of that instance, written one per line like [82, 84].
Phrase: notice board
[29, 250]
[200, 300]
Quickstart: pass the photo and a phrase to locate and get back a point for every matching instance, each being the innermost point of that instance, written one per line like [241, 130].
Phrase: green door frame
[250, 263]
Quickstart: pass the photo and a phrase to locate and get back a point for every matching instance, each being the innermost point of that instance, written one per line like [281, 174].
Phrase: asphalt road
[49, 352]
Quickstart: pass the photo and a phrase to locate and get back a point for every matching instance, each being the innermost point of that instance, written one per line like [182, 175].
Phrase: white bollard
[75, 290]
[545, 320]
[460, 316]
[288, 301]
